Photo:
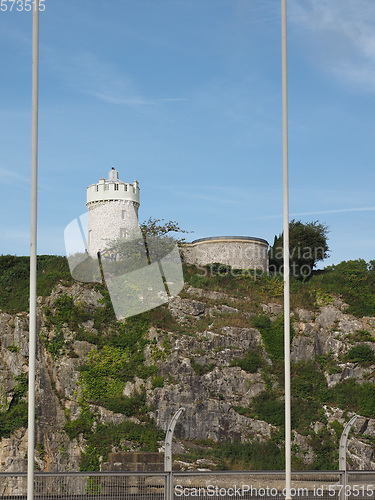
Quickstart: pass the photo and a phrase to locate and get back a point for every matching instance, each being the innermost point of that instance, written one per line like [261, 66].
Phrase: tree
[151, 241]
[152, 227]
[142, 270]
[307, 245]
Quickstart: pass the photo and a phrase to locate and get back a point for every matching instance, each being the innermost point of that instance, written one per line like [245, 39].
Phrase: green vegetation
[16, 415]
[81, 425]
[14, 348]
[362, 336]
[351, 395]
[237, 455]
[56, 346]
[354, 281]
[250, 362]
[158, 381]
[272, 334]
[266, 406]
[101, 438]
[201, 369]
[309, 392]
[100, 441]
[257, 287]
[104, 375]
[66, 313]
[14, 279]
[328, 364]
[118, 357]
[307, 246]
[362, 354]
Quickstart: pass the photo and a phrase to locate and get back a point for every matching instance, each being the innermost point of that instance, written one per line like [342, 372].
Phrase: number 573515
[22, 5]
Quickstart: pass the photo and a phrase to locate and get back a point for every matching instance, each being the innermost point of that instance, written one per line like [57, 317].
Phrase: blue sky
[185, 97]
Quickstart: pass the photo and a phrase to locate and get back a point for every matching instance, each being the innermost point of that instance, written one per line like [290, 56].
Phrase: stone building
[112, 211]
[239, 252]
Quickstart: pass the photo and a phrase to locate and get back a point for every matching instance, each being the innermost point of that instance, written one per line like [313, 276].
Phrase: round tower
[113, 211]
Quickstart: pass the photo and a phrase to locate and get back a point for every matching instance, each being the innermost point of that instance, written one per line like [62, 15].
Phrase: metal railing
[223, 485]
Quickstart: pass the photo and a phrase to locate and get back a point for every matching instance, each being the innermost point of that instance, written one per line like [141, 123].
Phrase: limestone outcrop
[196, 368]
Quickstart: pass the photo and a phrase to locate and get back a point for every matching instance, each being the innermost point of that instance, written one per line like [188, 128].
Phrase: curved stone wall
[239, 252]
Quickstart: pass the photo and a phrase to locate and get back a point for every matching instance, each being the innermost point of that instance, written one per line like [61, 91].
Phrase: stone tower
[113, 211]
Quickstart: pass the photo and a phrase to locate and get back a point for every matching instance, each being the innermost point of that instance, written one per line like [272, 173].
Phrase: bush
[119, 360]
[16, 416]
[81, 425]
[272, 333]
[158, 382]
[269, 407]
[129, 406]
[362, 336]
[56, 346]
[350, 395]
[104, 437]
[250, 362]
[201, 369]
[253, 455]
[66, 312]
[362, 354]
[13, 419]
[354, 281]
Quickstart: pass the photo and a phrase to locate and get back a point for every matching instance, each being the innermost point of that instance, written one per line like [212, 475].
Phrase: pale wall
[237, 253]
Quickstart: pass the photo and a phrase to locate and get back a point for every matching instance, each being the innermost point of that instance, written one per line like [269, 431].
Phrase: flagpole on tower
[33, 250]
[288, 468]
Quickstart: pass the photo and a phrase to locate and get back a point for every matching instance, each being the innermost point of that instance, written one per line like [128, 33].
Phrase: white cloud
[12, 177]
[85, 73]
[316, 212]
[342, 37]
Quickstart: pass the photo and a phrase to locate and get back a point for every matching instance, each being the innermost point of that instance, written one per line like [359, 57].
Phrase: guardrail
[223, 485]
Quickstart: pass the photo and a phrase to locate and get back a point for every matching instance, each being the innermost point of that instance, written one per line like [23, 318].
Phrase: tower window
[97, 187]
[116, 187]
[123, 214]
[106, 187]
[125, 187]
[122, 232]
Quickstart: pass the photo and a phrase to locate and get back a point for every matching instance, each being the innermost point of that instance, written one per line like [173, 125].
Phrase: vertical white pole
[288, 467]
[33, 251]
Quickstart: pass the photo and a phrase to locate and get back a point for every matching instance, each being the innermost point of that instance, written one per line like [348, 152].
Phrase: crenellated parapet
[112, 189]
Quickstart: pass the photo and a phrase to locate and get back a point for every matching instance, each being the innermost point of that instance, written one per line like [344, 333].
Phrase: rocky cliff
[99, 392]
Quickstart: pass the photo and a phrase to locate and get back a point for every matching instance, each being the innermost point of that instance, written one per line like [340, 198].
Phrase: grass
[353, 280]
[15, 274]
